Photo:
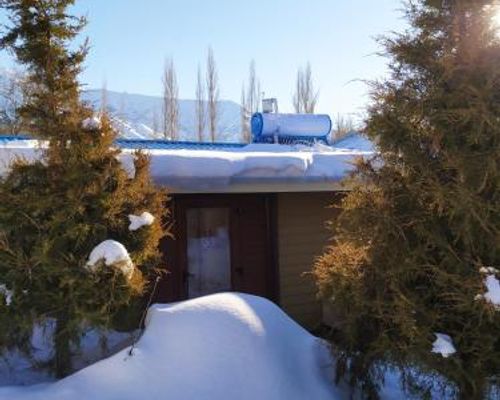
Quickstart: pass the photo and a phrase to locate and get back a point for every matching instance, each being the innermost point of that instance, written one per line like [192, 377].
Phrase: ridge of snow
[138, 221]
[257, 161]
[113, 254]
[443, 345]
[200, 168]
[224, 346]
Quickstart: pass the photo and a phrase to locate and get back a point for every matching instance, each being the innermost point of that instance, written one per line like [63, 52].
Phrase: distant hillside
[134, 116]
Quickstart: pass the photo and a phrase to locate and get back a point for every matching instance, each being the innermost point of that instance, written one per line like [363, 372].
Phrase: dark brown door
[222, 243]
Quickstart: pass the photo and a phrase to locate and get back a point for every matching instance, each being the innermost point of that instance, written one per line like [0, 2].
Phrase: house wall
[302, 235]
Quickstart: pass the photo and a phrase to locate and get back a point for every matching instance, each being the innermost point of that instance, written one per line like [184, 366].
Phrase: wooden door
[215, 232]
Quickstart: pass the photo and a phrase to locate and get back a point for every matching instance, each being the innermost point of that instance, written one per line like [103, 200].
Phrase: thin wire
[143, 317]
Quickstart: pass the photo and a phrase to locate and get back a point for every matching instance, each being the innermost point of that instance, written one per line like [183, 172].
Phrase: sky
[130, 40]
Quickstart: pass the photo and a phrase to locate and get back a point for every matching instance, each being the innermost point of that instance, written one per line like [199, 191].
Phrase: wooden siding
[302, 236]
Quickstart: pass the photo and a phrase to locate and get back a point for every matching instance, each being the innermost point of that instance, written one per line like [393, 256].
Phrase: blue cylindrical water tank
[300, 125]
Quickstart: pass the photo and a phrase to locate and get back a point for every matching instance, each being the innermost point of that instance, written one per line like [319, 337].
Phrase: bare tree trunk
[253, 91]
[104, 97]
[200, 106]
[212, 94]
[250, 102]
[154, 123]
[245, 128]
[13, 91]
[305, 97]
[62, 348]
[297, 97]
[170, 102]
[342, 127]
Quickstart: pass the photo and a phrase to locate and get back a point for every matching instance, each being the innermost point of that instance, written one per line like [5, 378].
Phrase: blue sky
[130, 40]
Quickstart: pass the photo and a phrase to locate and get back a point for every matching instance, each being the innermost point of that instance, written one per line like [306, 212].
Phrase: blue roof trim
[136, 144]
[9, 138]
[158, 144]
[174, 145]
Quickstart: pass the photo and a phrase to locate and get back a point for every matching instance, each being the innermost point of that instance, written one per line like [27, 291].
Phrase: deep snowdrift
[223, 346]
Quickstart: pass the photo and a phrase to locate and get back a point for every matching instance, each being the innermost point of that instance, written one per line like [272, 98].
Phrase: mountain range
[137, 116]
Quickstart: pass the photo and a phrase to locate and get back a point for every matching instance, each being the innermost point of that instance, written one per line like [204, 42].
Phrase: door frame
[173, 286]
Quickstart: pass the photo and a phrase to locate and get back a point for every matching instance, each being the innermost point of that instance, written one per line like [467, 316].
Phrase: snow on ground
[113, 254]
[223, 346]
[138, 221]
[443, 345]
[18, 369]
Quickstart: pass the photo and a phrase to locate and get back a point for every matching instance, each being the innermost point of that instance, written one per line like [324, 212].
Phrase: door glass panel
[208, 251]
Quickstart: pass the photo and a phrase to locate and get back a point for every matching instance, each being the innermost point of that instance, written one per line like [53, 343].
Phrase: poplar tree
[305, 96]
[250, 102]
[200, 111]
[170, 101]
[212, 81]
[55, 211]
[416, 248]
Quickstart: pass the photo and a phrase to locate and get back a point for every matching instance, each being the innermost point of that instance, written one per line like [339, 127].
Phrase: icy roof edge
[227, 168]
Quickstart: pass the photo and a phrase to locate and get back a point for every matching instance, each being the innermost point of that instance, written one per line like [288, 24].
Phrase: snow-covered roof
[188, 167]
[355, 141]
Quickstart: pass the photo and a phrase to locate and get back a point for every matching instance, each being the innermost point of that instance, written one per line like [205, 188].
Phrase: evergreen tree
[419, 234]
[55, 211]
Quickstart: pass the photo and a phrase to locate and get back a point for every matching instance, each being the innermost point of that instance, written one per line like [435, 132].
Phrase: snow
[113, 254]
[17, 368]
[91, 123]
[355, 141]
[187, 169]
[10, 151]
[492, 294]
[223, 346]
[195, 169]
[134, 115]
[488, 270]
[7, 294]
[138, 221]
[443, 345]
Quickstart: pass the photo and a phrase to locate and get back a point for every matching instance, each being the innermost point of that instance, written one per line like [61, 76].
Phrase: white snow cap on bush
[489, 270]
[113, 254]
[443, 345]
[7, 293]
[93, 122]
[492, 294]
[138, 221]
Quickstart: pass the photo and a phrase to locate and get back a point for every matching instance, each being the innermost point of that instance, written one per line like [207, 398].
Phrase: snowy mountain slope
[135, 116]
